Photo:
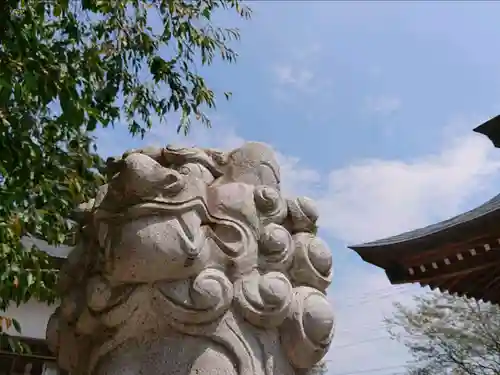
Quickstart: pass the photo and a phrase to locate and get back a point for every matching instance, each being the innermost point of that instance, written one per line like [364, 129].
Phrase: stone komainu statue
[189, 262]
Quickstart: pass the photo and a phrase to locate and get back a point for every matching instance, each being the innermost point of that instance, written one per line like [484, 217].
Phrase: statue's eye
[266, 198]
[196, 170]
[229, 239]
[185, 170]
[270, 204]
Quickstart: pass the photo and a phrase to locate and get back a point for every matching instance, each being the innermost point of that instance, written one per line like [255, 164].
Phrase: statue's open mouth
[153, 207]
[226, 233]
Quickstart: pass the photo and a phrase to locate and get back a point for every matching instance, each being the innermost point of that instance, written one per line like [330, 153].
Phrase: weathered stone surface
[191, 262]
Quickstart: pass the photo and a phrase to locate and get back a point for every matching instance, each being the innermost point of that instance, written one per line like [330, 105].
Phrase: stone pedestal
[191, 262]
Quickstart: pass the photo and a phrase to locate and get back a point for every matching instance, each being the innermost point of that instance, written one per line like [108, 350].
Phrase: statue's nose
[140, 175]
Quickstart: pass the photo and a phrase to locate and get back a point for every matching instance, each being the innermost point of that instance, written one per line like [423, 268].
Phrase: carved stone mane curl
[191, 261]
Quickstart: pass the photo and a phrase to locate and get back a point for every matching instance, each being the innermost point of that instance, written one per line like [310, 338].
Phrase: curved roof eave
[491, 206]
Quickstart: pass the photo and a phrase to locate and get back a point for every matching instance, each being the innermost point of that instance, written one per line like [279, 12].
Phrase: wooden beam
[448, 283]
[57, 262]
[460, 264]
[480, 282]
[38, 348]
[492, 294]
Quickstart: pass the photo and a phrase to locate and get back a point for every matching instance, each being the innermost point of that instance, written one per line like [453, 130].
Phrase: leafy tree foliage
[449, 335]
[68, 67]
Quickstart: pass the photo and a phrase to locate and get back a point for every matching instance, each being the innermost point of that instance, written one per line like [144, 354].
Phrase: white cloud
[298, 72]
[375, 198]
[296, 77]
[383, 104]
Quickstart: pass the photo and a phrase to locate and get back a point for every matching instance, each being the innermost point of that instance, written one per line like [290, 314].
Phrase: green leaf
[30, 279]
[16, 325]
[12, 344]
[206, 13]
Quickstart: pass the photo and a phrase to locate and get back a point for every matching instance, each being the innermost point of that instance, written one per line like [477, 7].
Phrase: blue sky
[371, 107]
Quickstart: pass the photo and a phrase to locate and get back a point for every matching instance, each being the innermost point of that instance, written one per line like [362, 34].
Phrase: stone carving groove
[190, 261]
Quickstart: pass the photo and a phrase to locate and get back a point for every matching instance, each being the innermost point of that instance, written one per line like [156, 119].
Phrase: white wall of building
[32, 316]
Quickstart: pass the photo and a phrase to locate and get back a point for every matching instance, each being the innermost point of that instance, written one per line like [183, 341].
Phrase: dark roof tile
[489, 207]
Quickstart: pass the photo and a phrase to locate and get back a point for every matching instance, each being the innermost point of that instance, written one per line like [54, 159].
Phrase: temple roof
[460, 255]
[455, 229]
[456, 221]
